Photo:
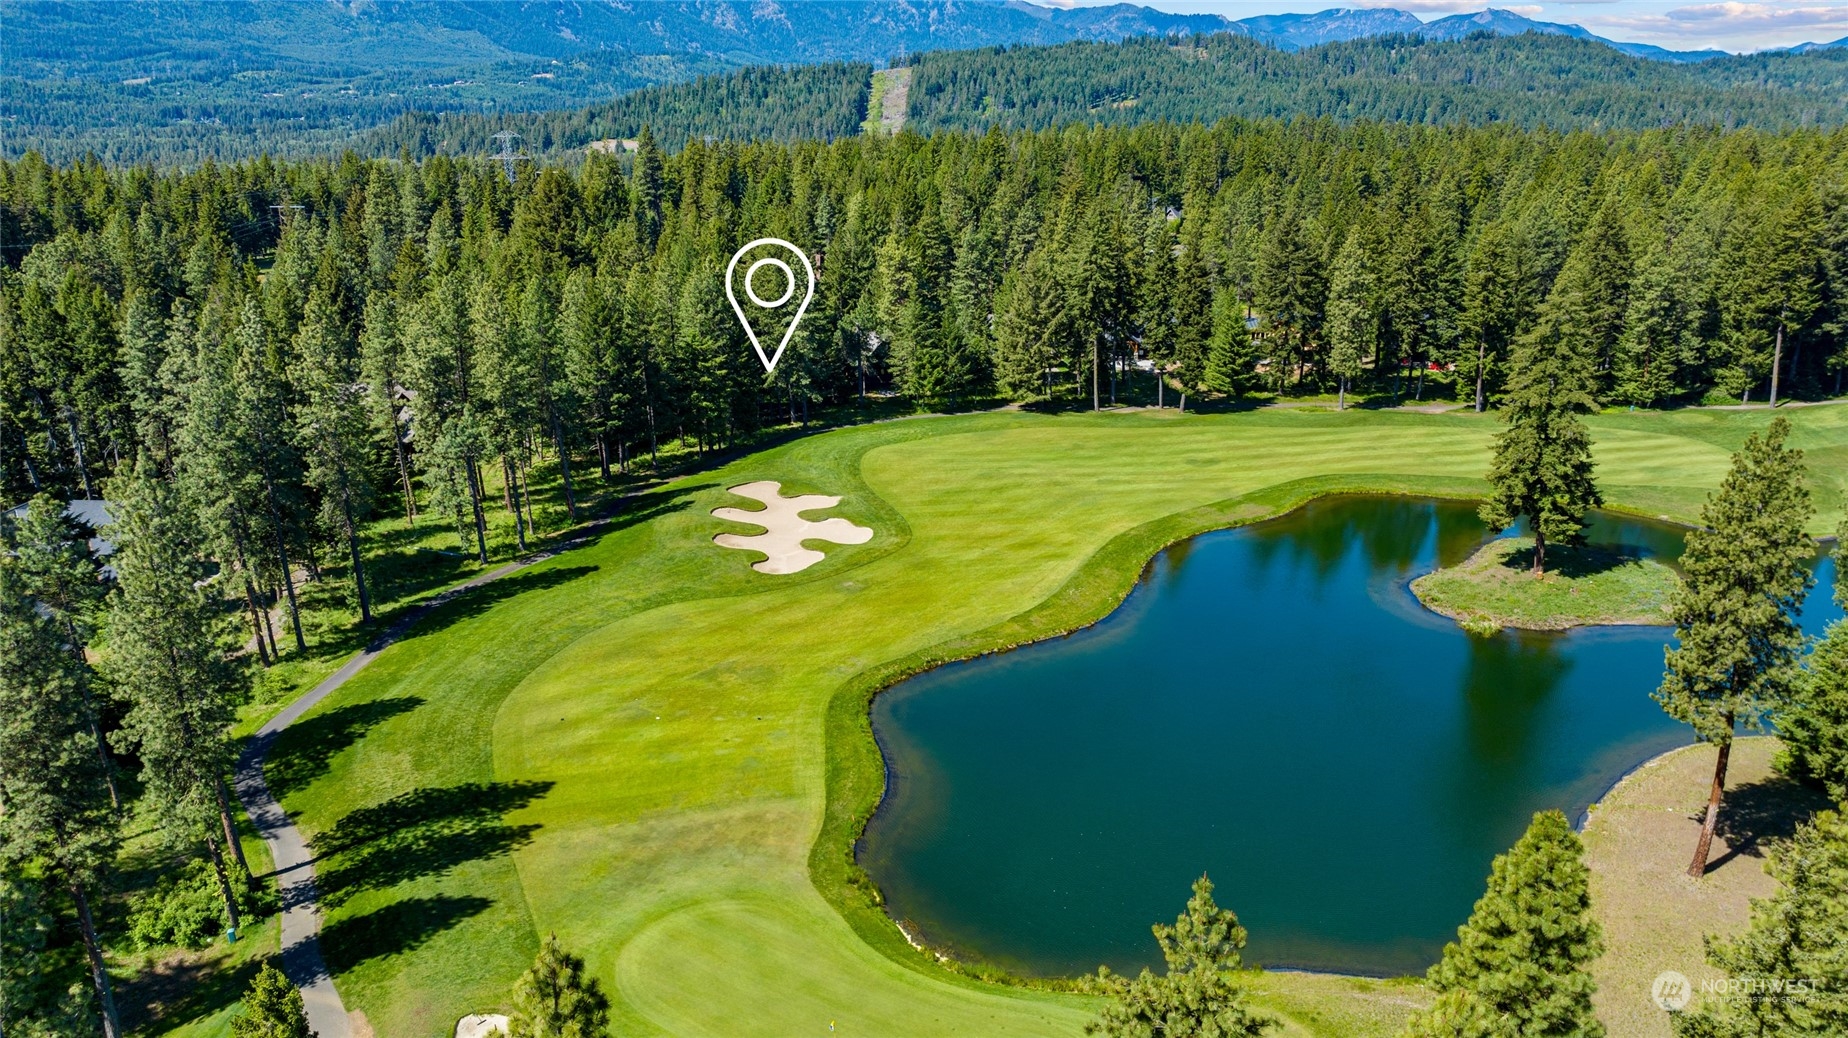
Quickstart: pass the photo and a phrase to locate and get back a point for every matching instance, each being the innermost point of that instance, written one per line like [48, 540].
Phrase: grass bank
[1582, 587]
[663, 756]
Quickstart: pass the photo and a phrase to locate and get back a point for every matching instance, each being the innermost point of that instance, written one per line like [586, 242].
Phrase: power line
[508, 157]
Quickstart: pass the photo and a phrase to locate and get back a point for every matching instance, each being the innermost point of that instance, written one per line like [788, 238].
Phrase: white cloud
[1729, 25]
[1428, 6]
[1755, 16]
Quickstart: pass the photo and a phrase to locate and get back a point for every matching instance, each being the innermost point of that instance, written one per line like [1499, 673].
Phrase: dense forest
[804, 102]
[578, 310]
[182, 80]
[1531, 79]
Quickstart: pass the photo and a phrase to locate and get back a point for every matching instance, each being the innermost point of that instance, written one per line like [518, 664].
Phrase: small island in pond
[1583, 587]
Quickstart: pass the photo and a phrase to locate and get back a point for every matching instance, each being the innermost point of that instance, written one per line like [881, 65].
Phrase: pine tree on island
[1746, 570]
[1543, 468]
[1520, 967]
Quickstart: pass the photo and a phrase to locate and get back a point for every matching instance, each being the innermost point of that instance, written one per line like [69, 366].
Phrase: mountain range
[151, 39]
[187, 78]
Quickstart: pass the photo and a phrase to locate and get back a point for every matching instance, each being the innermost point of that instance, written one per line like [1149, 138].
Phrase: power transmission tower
[508, 157]
[283, 212]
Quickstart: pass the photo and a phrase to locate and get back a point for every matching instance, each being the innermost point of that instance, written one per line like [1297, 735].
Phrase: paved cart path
[301, 915]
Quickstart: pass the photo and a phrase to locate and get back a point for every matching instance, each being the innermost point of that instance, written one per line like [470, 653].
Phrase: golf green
[663, 756]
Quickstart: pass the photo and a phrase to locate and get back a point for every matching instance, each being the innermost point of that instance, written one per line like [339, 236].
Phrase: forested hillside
[814, 102]
[183, 80]
[1531, 79]
[186, 80]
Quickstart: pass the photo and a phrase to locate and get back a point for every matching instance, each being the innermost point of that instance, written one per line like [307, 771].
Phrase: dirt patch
[1638, 842]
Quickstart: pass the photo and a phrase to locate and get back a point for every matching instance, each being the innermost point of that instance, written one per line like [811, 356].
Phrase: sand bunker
[785, 529]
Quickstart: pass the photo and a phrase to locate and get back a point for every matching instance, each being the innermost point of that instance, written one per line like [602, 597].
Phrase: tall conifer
[1746, 571]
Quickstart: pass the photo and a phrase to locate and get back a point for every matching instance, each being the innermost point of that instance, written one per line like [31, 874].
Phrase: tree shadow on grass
[1571, 561]
[425, 832]
[473, 602]
[303, 751]
[1761, 813]
[394, 929]
[186, 985]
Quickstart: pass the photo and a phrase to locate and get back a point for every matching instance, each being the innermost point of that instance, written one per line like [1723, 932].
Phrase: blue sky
[1735, 25]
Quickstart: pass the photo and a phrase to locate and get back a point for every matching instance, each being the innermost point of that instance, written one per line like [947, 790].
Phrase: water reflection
[1272, 706]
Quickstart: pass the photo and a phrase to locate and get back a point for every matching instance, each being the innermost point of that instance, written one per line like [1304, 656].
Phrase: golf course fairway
[662, 756]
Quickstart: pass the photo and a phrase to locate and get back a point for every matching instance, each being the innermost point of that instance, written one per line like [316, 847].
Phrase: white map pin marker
[789, 289]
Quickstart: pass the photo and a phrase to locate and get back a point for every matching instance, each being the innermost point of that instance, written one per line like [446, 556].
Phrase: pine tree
[1353, 318]
[1543, 467]
[1814, 727]
[272, 1008]
[1231, 366]
[333, 431]
[1656, 332]
[1200, 995]
[381, 351]
[57, 571]
[1792, 955]
[1495, 306]
[1746, 571]
[165, 658]
[554, 999]
[1519, 967]
[55, 811]
[1030, 322]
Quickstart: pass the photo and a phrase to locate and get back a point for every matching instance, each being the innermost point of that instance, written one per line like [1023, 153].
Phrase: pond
[1270, 706]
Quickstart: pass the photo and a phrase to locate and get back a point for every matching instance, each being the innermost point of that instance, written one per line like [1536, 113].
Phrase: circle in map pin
[750, 282]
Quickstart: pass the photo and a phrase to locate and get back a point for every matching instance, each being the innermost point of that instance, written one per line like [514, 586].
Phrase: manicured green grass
[663, 756]
[1583, 586]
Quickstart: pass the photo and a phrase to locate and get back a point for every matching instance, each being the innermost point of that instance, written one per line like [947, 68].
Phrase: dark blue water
[1270, 706]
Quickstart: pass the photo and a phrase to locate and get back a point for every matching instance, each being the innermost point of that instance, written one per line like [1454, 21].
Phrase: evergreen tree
[56, 570]
[1030, 322]
[165, 658]
[55, 813]
[554, 999]
[272, 1008]
[381, 351]
[1746, 571]
[1799, 937]
[1519, 967]
[1353, 317]
[1495, 307]
[1814, 727]
[1200, 995]
[1543, 467]
[1658, 333]
[333, 431]
[1231, 363]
